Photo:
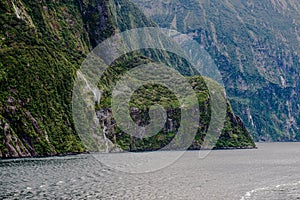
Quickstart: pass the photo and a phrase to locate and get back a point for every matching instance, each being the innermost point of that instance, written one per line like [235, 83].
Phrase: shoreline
[61, 155]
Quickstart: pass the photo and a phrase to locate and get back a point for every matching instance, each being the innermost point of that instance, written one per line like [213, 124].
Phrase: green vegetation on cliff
[256, 47]
[42, 45]
[234, 133]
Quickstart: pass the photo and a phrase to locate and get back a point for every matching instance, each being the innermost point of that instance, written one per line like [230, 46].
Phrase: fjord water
[269, 172]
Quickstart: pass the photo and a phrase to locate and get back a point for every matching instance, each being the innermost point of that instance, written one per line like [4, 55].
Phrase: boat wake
[289, 191]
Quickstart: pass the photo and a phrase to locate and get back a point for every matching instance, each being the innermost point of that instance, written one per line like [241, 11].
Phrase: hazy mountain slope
[256, 46]
[42, 44]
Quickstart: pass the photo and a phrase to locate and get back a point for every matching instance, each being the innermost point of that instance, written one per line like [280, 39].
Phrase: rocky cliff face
[234, 133]
[256, 46]
[42, 44]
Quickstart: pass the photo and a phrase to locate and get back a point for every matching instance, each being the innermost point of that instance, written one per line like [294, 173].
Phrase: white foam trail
[249, 194]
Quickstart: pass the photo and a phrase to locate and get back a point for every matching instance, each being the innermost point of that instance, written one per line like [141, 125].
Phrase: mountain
[256, 47]
[234, 133]
[42, 46]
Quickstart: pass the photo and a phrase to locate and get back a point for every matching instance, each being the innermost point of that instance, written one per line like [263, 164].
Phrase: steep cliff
[234, 133]
[42, 45]
[256, 46]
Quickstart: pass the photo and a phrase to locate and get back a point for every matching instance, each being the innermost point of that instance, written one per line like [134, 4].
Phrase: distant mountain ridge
[256, 47]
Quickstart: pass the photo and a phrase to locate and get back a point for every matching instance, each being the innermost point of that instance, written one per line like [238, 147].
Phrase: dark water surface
[270, 172]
